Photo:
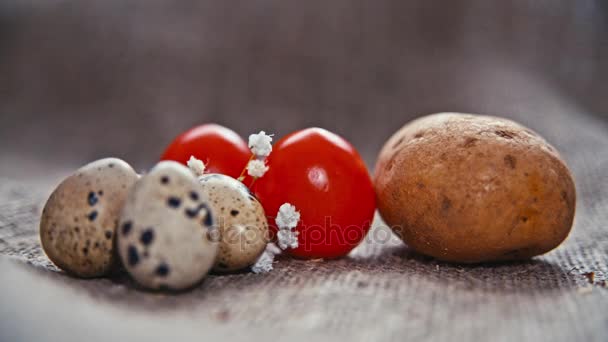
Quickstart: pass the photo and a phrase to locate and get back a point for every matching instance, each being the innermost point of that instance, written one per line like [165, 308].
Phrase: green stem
[242, 175]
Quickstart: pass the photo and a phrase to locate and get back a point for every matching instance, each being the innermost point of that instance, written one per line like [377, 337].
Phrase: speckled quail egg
[241, 221]
[166, 235]
[79, 219]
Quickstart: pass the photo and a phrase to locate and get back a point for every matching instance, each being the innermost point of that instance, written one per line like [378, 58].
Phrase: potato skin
[470, 188]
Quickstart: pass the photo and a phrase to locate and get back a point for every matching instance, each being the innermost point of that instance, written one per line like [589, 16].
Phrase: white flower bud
[264, 262]
[260, 144]
[287, 238]
[196, 166]
[257, 168]
[287, 217]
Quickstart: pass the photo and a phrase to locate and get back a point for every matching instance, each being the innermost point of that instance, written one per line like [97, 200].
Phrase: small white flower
[287, 238]
[287, 217]
[260, 144]
[264, 262]
[257, 168]
[272, 248]
[196, 166]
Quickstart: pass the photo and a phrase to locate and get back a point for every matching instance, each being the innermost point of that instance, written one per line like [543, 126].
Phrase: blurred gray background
[85, 79]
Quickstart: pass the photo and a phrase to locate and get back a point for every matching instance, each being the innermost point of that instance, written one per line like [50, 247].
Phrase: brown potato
[471, 188]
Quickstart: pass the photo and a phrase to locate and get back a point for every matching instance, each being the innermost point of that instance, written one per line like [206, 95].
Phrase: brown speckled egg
[79, 219]
[166, 237]
[241, 221]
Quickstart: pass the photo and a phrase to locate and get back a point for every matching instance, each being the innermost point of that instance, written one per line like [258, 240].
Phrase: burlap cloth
[380, 292]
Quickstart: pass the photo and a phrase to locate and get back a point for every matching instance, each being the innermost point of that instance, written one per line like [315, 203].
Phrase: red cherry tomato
[323, 176]
[221, 149]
